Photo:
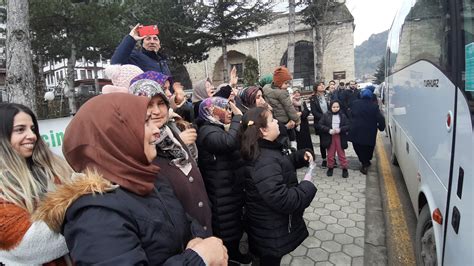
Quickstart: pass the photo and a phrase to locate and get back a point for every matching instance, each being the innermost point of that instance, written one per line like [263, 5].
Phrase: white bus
[429, 101]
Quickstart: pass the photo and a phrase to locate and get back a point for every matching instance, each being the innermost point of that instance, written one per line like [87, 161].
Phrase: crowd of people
[149, 178]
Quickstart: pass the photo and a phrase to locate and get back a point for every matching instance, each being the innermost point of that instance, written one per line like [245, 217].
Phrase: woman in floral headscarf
[220, 162]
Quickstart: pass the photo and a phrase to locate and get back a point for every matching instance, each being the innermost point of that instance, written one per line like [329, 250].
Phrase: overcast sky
[372, 16]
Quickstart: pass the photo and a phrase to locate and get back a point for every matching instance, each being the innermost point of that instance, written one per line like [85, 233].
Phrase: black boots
[345, 173]
[329, 172]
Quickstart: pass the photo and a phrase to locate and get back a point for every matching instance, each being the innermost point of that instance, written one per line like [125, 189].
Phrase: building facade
[268, 45]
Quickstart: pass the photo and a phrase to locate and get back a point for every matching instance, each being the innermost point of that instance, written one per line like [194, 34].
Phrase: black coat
[303, 136]
[325, 124]
[122, 228]
[275, 202]
[220, 164]
[316, 111]
[366, 118]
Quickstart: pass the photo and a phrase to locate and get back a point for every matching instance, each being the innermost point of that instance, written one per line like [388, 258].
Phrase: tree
[380, 72]
[291, 38]
[63, 29]
[250, 71]
[228, 20]
[322, 16]
[20, 79]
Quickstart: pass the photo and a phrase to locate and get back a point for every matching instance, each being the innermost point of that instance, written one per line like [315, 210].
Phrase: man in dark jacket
[366, 118]
[148, 58]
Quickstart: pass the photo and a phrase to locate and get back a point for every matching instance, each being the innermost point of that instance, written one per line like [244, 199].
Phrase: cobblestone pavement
[335, 219]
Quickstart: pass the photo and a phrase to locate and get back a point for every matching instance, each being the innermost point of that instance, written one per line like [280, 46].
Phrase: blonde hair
[23, 181]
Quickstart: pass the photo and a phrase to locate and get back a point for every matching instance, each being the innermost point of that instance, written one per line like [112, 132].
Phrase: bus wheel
[393, 158]
[425, 243]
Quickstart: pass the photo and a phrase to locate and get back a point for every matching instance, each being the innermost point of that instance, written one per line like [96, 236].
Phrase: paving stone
[332, 207]
[335, 228]
[302, 261]
[361, 225]
[326, 200]
[343, 238]
[318, 254]
[359, 261]
[348, 209]
[359, 241]
[344, 193]
[323, 235]
[321, 194]
[316, 204]
[361, 211]
[331, 246]
[357, 204]
[330, 191]
[346, 222]
[286, 260]
[317, 225]
[341, 202]
[309, 209]
[335, 196]
[355, 232]
[322, 211]
[312, 242]
[340, 258]
[356, 217]
[311, 216]
[328, 219]
[322, 186]
[350, 198]
[353, 250]
[358, 194]
[299, 251]
[339, 214]
[324, 263]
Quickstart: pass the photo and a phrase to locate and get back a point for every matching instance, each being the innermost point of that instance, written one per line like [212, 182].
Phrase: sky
[371, 16]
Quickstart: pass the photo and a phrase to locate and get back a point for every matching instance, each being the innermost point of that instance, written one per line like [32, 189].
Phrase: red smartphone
[148, 30]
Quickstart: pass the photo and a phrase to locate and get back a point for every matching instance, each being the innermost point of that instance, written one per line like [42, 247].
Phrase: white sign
[52, 132]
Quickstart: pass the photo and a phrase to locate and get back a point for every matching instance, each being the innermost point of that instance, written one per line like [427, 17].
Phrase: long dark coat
[220, 164]
[316, 111]
[325, 124]
[366, 118]
[303, 136]
[275, 202]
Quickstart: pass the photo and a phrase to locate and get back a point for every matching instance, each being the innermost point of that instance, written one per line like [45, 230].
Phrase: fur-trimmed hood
[53, 207]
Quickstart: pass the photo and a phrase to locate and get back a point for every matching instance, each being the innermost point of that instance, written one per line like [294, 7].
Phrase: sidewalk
[336, 217]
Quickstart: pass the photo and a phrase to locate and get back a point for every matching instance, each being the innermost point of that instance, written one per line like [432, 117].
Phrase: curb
[375, 250]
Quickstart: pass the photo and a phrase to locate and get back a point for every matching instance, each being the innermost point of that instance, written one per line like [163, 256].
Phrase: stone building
[269, 46]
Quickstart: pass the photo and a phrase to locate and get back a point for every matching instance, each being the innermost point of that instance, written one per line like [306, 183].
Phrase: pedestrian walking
[366, 119]
[334, 128]
[275, 201]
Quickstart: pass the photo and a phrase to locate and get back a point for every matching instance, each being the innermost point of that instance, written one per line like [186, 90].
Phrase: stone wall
[269, 44]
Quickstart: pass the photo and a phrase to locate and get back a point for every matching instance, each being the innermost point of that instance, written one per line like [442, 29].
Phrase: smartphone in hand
[148, 30]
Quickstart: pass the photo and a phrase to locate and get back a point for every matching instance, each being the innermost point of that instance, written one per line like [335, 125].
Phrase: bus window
[425, 34]
[467, 41]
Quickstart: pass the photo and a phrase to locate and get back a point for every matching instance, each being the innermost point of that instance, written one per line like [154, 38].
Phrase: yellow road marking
[398, 229]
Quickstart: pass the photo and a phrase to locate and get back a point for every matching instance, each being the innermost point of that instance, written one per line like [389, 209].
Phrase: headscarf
[107, 134]
[366, 94]
[330, 107]
[210, 105]
[169, 146]
[152, 75]
[148, 88]
[199, 91]
[267, 79]
[248, 96]
[120, 75]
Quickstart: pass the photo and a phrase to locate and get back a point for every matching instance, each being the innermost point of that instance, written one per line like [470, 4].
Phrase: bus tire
[393, 158]
[425, 243]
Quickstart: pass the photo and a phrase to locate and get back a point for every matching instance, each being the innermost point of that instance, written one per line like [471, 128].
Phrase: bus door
[459, 219]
